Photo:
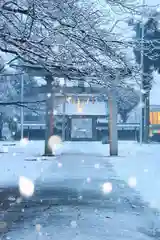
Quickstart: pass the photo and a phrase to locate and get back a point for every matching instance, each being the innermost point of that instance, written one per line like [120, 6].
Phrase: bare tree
[61, 34]
[66, 38]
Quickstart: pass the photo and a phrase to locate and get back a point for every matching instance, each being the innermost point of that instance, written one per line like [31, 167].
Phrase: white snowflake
[132, 182]
[59, 165]
[24, 142]
[97, 165]
[73, 224]
[88, 180]
[26, 187]
[107, 187]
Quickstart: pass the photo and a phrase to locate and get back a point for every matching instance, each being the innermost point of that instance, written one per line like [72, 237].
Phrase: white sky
[152, 2]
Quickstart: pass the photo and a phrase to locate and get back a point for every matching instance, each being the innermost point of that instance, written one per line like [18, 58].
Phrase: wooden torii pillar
[49, 118]
[113, 112]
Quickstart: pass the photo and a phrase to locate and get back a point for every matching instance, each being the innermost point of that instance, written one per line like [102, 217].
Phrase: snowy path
[81, 197]
[140, 164]
[73, 201]
[74, 184]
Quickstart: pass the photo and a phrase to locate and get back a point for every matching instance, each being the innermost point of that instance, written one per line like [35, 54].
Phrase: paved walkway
[81, 197]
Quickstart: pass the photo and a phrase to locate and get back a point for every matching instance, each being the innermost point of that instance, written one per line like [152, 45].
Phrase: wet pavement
[72, 202]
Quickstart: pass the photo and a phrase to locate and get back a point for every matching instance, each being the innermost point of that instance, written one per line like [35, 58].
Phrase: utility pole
[146, 116]
[22, 108]
[141, 134]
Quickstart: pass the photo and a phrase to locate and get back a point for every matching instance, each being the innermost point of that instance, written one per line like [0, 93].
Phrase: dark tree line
[151, 61]
[151, 57]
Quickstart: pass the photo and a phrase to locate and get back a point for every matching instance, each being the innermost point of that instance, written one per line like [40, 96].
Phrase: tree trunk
[64, 113]
[1, 127]
[49, 116]
[142, 118]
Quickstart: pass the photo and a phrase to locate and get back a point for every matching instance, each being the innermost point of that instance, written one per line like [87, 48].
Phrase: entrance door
[81, 129]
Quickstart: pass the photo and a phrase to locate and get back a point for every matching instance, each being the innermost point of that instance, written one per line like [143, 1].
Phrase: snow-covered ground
[25, 158]
[83, 171]
[137, 165]
[21, 159]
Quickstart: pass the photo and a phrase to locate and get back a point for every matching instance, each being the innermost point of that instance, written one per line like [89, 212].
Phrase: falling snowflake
[132, 182]
[107, 187]
[26, 187]
[88, 180]
[24, 141]
[97, 166]
[48, 95]
[73, 224]
[54, 142]
[55, 112]
[59, 165]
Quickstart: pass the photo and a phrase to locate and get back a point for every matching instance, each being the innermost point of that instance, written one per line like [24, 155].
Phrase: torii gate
[36, 70]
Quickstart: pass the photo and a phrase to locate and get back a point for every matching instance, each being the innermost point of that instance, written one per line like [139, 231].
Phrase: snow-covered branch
[66, 34]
